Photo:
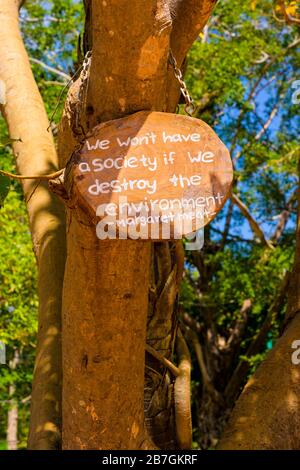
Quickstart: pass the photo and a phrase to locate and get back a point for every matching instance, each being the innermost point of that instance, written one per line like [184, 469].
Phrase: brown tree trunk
[104, 326]
[105, 408]
[12, 415]
[267, 414]
[35, 153]
[129, 72]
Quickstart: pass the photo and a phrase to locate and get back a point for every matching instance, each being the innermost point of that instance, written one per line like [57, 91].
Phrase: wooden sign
[151, 175]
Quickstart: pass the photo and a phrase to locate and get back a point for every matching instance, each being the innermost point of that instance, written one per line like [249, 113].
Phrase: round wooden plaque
[151, 175]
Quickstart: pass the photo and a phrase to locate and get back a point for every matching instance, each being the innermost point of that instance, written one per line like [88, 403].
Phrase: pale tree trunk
[267, 414]
[35, 153]
[12, 415]
[105, 303]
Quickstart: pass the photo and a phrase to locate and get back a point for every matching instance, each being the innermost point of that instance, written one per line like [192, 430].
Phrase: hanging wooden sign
[151, 175]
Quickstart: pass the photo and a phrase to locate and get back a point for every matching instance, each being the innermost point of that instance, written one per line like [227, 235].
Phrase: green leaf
[4, 188]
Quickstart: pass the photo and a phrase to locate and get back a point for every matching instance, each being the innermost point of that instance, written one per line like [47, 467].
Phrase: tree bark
[129, 72]
[267, 414]
[12, 415]
[133, 42]
[116, 273]
[12, 422]
[35, 153]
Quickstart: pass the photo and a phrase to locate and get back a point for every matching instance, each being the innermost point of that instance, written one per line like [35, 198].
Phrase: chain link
[77, 127]
[189, 107]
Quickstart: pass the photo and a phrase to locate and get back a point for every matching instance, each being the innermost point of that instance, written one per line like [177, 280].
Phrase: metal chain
[189, 107]
[77, 127]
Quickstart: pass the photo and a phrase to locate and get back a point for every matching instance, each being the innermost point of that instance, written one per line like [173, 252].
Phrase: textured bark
[188, 19]
[129, 72]
[12, 415]
[130, 58]
[12, 421]
[166, 272]
[116, 297]
[294, 290]
[267, 414]
[104, 330]
[148, 28]
[35, 154]
[182, 395]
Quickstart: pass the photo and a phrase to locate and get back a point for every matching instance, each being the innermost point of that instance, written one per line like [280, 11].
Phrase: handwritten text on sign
[152, 175]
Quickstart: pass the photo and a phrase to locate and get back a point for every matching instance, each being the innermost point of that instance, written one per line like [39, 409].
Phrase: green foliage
[51, 30]
[4, 188]
[18, 307]
[240, 73]
[245, 63]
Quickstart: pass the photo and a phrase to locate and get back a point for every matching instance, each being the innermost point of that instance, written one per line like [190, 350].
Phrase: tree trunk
[12, 422]
[106, 323]
[267, 414]
[129, 72]
[35, 153]
[109, 317]
[12, 415]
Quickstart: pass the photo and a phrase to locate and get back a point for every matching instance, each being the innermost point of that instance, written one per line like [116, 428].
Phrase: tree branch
[241, 371]
[252, 222]
[240, 326]
[268, 122]
[32, 177]
[284, 217]
[227, 225]
[264, 125]
[53, 70]
[168, 364]
[189, 18]
[182, 395]
[207, 382]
